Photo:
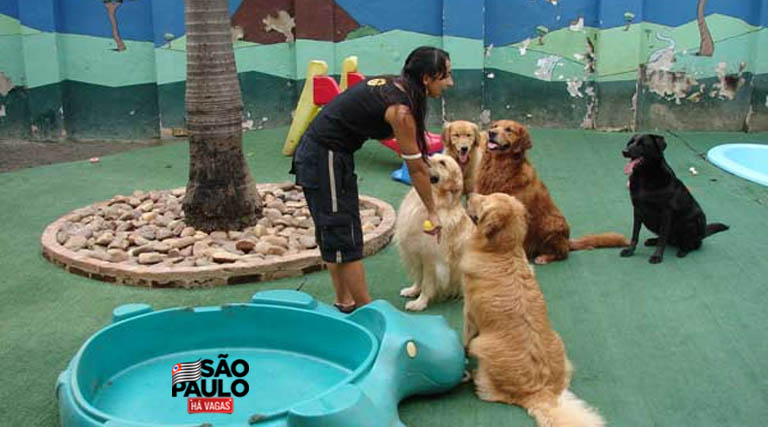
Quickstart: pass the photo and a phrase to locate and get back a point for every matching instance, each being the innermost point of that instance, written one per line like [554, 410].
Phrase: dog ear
[661, 144]
[491, 221]
[482, 139]
[478, 135]
[525, 138]
[446, 134]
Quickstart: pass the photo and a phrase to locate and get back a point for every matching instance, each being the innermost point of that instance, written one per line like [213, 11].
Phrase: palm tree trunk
[706, 46]
[112, 12]
[221, 194]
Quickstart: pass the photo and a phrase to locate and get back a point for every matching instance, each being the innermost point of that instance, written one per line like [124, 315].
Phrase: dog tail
[715, 227]
[602, 240]
[570, 411]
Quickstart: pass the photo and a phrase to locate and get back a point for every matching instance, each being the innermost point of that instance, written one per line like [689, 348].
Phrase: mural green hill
[619, 52]
[9, 26]
[562, 56]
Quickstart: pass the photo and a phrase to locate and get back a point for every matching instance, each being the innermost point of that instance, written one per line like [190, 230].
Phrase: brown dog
[521, 360]
[465, 143]
[505, 169]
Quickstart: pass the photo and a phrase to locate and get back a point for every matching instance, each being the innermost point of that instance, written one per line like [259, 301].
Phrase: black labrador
[661, 202]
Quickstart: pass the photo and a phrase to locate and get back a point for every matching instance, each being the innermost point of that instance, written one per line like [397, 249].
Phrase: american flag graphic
[189, 371]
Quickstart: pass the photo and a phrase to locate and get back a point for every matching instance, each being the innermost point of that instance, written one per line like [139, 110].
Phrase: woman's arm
[400, 118]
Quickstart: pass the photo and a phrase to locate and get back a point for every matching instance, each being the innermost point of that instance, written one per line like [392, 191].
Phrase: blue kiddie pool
[749, 161]
[281, 360]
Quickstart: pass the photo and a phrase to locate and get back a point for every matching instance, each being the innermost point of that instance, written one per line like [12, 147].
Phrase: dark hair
[424, 60]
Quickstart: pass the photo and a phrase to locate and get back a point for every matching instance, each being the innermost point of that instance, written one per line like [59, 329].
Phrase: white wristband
[411, 156]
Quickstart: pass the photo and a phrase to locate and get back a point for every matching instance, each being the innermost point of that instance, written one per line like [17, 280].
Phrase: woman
[324, 166]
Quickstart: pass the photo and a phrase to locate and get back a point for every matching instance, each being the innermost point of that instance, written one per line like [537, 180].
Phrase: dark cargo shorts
[330, 189]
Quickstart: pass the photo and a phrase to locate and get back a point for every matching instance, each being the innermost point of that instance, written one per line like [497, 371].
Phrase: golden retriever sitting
[433, 266]
[520, 359]
[464, 143]
[506, 169]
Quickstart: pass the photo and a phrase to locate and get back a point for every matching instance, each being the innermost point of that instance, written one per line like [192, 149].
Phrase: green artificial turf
[682, 343]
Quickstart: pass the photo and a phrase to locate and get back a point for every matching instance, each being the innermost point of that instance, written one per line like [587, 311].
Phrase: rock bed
[141, 239]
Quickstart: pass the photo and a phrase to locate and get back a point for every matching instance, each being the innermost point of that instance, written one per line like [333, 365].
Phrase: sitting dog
[506, 169]
[521, 360]
[432, 264]
[661, 202]
[464, 143]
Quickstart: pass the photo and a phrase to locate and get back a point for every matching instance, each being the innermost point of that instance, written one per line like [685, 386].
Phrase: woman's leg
[343, 297]
[332, 205]
[350, 277]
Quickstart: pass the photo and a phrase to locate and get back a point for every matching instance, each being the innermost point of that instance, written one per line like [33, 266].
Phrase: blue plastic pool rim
[86, 406]
[716, 155]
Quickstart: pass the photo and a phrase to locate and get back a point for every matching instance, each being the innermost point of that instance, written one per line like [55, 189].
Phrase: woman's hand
[399, 116]
[432, 226]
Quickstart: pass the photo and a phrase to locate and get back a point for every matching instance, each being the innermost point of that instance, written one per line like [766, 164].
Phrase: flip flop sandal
[346, 309]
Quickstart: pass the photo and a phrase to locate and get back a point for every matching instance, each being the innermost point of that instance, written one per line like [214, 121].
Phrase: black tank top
[356, 115]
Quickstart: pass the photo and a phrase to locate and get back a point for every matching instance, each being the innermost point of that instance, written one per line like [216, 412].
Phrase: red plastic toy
[434, 143]
[325, 88]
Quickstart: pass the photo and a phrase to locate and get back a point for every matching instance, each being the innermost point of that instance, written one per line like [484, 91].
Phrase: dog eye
[509, 129]
[442, 162]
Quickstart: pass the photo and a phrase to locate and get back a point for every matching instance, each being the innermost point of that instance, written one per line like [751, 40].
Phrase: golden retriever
[506, 169]
[464, 142]
[521, 360]
[433, 266]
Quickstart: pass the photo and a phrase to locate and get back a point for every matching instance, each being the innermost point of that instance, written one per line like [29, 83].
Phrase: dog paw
[410, 292]
[542, 259]
[655, 259]
[416, 305]
[652, 241]
[467, 377]
[626, 252]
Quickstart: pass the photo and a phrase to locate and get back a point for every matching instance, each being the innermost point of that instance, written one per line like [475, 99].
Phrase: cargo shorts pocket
[338, 237]
[306, 165]
[338, 234]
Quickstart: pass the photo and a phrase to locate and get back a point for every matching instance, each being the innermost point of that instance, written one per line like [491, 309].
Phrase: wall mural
[623, 64]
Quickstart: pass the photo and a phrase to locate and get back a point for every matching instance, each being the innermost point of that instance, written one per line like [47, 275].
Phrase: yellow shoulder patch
[376, 82]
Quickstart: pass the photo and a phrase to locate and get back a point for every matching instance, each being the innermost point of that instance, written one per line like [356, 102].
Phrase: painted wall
[67, 72]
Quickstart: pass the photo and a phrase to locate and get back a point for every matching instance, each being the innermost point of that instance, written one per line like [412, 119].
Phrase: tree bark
[706, 45]
[221, 194]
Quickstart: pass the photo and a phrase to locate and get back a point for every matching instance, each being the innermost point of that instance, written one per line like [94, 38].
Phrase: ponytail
[429, 61]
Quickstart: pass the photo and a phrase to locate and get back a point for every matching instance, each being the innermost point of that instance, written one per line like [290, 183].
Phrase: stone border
[165, 276]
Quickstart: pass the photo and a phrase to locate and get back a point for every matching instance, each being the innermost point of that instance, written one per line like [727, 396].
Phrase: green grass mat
[676, 344]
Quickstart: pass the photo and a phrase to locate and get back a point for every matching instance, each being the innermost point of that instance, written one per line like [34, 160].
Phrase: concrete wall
[631, 64]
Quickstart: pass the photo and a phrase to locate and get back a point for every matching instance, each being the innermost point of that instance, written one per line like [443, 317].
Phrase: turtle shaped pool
[283, 359]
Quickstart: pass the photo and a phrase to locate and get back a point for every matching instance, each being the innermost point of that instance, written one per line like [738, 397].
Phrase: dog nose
[492, 135]
[625, 153]
[464, 149]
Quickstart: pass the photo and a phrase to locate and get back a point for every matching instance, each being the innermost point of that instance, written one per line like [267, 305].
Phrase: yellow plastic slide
[306, 110]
